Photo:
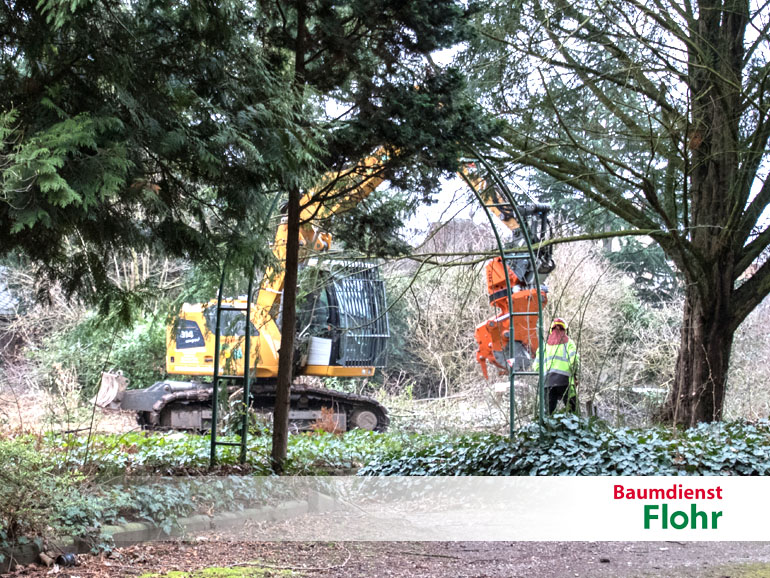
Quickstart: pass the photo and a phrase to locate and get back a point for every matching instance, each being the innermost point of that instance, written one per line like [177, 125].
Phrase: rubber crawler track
[302, 398]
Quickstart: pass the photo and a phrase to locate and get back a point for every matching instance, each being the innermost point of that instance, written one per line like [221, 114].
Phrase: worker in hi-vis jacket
[560, 365]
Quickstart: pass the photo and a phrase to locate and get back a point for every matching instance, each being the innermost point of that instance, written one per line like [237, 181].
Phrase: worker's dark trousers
[556, 392]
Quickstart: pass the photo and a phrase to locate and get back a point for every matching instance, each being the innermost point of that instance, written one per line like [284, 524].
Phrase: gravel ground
[430, 559]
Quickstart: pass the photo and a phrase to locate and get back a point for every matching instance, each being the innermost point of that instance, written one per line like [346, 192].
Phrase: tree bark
[716, 198]
[288, 328]
[701, 368]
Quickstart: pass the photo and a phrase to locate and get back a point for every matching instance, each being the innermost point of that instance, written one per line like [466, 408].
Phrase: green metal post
[215, 380]
[246, 355]
[247, 368]
[525, 230]
[511, 374]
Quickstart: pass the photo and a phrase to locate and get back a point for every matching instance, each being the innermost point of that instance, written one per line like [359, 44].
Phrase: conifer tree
[136, 125]
[371, 58]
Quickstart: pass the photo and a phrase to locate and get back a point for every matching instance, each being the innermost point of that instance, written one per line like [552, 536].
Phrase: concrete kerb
[145, 532]
[138, 532]
[21, 555]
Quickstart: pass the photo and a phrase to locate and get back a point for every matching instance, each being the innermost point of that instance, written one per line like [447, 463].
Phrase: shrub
[83, 349]
[31, 491]
[139, 452]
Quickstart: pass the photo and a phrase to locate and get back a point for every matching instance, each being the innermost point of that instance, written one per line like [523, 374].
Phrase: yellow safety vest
[562, 358]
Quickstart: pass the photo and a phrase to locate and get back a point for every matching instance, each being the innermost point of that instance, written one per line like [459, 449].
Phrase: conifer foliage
[371, 58]
[133, 125]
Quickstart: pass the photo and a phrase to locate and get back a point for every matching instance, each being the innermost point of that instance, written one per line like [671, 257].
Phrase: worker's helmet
[559, 322]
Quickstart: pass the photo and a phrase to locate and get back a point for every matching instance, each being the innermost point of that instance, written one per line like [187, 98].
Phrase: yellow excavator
[342, 323]
[342, 329]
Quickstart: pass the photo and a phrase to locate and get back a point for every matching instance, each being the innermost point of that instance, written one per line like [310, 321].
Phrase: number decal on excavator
[188, 335]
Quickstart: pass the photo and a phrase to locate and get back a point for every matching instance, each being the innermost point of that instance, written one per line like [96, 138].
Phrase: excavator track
[172, 405]
[360, 412]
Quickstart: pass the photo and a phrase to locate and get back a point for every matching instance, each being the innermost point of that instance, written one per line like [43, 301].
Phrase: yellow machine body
[190, 349]
[191, 338]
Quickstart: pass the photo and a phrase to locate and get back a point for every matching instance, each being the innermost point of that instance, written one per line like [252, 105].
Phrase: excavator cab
[343, 321]
[342, 328]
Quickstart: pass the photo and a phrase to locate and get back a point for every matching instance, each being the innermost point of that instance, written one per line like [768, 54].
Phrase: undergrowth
[179, 453]
[571, 446]
[66, 484]
[565, 445]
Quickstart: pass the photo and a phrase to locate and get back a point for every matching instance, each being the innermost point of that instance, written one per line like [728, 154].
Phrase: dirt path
[431, 559]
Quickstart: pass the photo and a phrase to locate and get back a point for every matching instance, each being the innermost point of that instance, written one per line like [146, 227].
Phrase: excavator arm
[516, 317]
[338, 192]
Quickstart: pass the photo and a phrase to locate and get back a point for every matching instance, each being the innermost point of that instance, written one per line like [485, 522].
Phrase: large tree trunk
[701, 368]
[289, 300]
[709, 263]
[288, 328]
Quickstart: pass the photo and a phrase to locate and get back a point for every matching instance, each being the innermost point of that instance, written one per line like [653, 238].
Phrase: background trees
[656, 111]
[132, 126]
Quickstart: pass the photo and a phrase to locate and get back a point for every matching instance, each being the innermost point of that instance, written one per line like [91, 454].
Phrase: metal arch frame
[512, 373]
[246, 355]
